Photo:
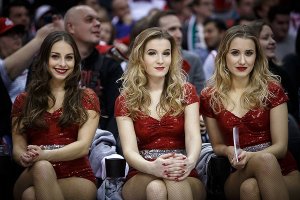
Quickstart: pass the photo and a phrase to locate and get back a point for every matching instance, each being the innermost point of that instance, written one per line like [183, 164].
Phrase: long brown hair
[39, 93]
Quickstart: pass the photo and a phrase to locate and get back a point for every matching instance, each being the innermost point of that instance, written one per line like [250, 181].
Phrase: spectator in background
[279, 19]
[54, 123]
[44, 15]
[214, 31]
[99, 72]
[245, 20]
[265, 35]
[19, 12]
[157, 115]
[181, 8]
[122, 19]
[261, 8]
[192, 65]
[10, 41]
[193, 30]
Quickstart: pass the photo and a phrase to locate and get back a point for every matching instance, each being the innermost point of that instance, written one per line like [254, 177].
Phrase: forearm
[71, 151]
[136, 161]
[16, 63]
[193, 148]
[19, 147]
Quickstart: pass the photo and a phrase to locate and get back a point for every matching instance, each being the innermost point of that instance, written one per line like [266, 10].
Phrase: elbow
[283, 151]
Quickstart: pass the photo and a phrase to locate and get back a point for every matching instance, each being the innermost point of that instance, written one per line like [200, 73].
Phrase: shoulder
[206, 92]
[190, 93]
[120, 106]
[274, 87]
[277, 95]
[90, 100]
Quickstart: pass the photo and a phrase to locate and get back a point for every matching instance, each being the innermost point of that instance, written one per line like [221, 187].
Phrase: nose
[97, 22]
[63, 62]
[242, 59]
[160, 58]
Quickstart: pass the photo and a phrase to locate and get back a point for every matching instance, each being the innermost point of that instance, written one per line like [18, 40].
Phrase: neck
[155, 84]
[84, 49]
[57, 86]
[239, 84]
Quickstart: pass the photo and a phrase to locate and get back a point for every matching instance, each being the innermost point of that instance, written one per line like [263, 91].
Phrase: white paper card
[236, 142]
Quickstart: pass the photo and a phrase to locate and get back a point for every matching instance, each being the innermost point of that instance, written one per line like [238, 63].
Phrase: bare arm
[279, 134]
[16, 63]
[76, 149]
[192, 132]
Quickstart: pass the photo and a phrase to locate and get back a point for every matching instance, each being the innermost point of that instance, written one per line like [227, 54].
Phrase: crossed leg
[40, 182]
[260, 179]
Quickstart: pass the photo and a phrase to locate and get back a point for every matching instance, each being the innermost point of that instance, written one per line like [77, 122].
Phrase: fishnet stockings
[143, 186]
[45, 181]
[260, 179]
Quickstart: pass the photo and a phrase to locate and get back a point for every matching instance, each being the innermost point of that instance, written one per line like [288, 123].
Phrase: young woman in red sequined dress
[243, 93]
[158, 120]
[54, 123]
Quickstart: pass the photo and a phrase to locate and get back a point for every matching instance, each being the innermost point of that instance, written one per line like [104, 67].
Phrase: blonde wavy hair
[257, 93]
[137, 97]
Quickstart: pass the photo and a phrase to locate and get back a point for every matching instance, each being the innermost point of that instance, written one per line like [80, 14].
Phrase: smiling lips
[241, 69]
[61, 71]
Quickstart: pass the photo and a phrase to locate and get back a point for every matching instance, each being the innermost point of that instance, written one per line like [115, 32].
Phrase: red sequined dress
[157, 137]
[254, 126]
[55, 136]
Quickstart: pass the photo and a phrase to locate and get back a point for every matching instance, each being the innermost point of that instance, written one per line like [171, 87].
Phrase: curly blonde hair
[137, 97]
[257, 91]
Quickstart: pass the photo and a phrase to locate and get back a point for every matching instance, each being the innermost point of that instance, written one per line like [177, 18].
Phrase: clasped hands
[31, 155]
[173, 166]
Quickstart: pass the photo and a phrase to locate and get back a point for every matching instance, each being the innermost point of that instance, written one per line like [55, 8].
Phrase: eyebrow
[59, 53]
[156, 50]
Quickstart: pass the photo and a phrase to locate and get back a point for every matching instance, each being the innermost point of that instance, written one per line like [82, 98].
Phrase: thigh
[292, 181]
[135, 187]
[198, 188]
[77, 188]
[24, 181]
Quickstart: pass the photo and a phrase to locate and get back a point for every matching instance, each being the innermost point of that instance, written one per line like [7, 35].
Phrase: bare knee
[43, 170]
[266, 162]
[156, 188]
[249, 188]
[29, 194]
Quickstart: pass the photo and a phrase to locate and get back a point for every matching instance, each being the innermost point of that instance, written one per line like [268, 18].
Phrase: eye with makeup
[234, 52]
[249, 52]
[69, 57]
[55, 56]
[167, 53]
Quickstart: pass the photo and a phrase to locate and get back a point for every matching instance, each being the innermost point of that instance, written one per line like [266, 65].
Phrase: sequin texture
[254, 126]
[164, 134]
[54, 136]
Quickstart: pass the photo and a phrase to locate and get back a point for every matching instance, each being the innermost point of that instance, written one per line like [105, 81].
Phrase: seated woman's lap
[135, 187]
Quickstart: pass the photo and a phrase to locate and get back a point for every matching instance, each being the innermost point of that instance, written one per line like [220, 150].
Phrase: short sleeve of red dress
[90, 100]
[120, 106]
[277, 95]
[18, 105]
[190, 94]
[205, 108]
